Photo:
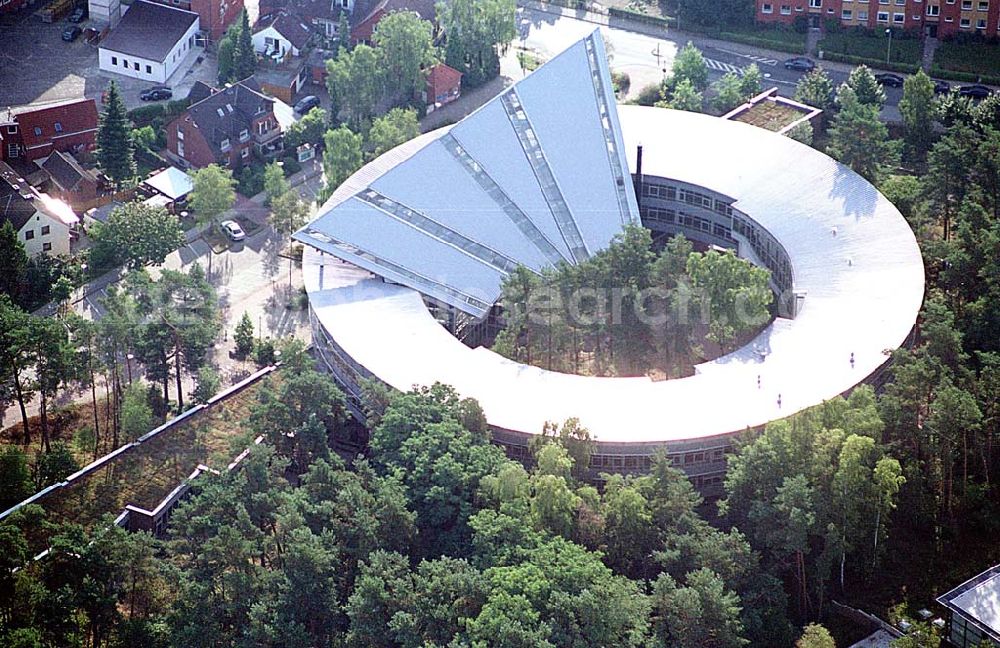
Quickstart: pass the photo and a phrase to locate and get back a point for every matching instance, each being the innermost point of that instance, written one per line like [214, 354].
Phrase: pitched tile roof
[229, 111]
[423, 8]
[149, 30]
[66, 171]
[200, 90]
[442, 77]
[16, 197]
[39, 126]
[290, 27]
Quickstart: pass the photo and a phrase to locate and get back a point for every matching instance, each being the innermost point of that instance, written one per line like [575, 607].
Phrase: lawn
[974, 58]
[873, 46]
[770, 115]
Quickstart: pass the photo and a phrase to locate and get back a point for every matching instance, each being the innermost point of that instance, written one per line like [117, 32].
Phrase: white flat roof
[171, 182]
[982, 603]
[863, 285]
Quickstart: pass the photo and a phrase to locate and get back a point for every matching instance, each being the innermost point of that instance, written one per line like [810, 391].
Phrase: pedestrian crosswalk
[723, 67]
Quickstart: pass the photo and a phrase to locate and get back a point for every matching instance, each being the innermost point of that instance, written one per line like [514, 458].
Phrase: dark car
[78, 15]
[889, 79]
[800, 63]
[71, 33]
[941, 87]
[157, 93]
[976, 91]
[305, 104]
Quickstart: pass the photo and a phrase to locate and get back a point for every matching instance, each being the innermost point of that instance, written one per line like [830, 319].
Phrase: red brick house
[70, 182]
[931, 17]
[367, 16]
[35, 132]
[10, 6]
[215, 15]
[228, 128]
[444, 85]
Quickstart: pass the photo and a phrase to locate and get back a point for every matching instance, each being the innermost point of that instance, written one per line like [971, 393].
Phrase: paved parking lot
[37, 66]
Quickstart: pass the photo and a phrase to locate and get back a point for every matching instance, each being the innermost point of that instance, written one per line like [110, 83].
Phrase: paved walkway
[252, 276]
[927, 58]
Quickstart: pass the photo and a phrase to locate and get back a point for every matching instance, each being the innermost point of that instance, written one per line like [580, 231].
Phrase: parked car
[305, 104]
[800, 63]
[233, 230]
[156, 93]
[941, 87]
[889, 79]
[71, 33]
[79, 15]
[976, 91]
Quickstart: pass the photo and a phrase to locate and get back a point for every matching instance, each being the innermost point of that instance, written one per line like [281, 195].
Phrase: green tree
[738, 293]
[750, 82]
[243, 336]
[356, 82]
[948, 180]
[392, 129]
[728, 93]
[815, 89]
[13, 263]
[690, 66]
[918, 109]
[207, 386]
[213, 193]
[859, 139]
[16, 356]
[54, 465]
[685, 97]
[700, 613]
[405, 44]
[138, 235]
[275, 184]
[477, 32]
[244, 57]
[815, 636]
[137, 416]
[341, 157]
[114, 139]
[15, 480]
[55, 362]
[866, 88]
[308, 130]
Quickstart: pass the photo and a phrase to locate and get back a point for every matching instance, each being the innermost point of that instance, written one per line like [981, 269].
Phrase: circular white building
[544, 174]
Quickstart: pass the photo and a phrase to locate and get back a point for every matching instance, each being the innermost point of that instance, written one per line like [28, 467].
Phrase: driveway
[37, 66]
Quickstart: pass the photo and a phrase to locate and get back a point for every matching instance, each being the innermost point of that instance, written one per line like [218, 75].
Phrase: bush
[635, 16]
[963, 77]
[764, 42]
[250, 181]
[264, 354]
[290, 165]
[973, 57]
[905, 68]
[649, 95]
[621, 83]
[144, 115]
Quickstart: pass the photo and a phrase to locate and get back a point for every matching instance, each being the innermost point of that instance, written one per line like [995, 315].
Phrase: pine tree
[859, 139]
[13, 263]
[244, 336]
[244, 57]
[343, 34]
[114, 139]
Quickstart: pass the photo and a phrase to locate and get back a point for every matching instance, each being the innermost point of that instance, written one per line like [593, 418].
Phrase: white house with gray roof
[150, 42]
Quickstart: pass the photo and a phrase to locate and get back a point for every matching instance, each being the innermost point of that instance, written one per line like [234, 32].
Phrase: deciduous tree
[405, 44]
[392, 129]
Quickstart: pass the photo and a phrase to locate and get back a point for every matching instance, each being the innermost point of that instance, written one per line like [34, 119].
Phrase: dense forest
[629, 310]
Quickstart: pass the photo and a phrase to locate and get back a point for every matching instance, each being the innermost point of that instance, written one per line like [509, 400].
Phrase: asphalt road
[647, 58]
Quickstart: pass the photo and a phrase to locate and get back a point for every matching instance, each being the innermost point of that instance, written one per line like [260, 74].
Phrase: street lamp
[888, 47]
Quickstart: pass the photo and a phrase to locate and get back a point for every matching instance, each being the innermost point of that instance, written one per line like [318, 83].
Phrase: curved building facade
[436, 224]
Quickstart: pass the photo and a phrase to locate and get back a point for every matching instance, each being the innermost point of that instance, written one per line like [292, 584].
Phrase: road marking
[723, 67]
[763, 60]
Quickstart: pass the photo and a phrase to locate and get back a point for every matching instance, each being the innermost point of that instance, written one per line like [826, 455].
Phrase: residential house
[43, 224]
[444, 85]
[322, 15]
[228, 127]
[280, 36]
[10, 6]
[368, 14]
[70, 182]
[34, 132]
[280, 41]
[934, 18]
[215, 15]
[136, 50]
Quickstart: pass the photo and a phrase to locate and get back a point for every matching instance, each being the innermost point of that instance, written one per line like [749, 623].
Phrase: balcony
[267, 136]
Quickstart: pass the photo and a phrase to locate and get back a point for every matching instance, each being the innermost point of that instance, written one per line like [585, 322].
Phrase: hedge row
[905, 68]
[656, 21]
[756, 41]
[964, 77]
[144, 115]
